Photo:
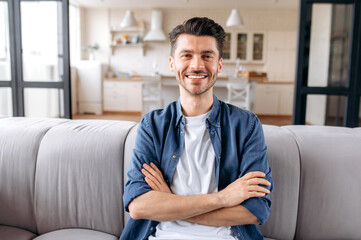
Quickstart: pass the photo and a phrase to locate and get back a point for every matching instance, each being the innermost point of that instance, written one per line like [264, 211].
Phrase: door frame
[353, 91]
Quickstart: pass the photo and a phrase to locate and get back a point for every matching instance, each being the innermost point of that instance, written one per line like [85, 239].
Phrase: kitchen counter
[169, 80]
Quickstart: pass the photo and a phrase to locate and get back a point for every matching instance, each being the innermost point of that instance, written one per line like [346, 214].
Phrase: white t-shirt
[195, 174]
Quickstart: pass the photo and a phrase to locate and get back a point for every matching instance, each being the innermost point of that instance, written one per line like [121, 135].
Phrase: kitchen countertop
[169, 80]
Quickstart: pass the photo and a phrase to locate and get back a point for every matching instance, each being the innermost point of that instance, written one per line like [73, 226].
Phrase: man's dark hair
[199, 27]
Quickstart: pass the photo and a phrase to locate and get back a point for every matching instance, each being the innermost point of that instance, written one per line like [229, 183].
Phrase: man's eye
[207, 56]
[186, 56]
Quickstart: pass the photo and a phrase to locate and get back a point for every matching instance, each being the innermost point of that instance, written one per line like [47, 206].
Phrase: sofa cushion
[19, 144]
[76, 234]
[128, 152]
[11, 233]
[330, 193]
[284, 161]
[79, 178]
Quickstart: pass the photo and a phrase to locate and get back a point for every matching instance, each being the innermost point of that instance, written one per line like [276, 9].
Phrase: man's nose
[197, 63]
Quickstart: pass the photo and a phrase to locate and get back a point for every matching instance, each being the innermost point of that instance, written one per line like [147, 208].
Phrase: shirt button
[238, 234]
[212, 133]
[182, 132]
[151, 229]
[174, 156]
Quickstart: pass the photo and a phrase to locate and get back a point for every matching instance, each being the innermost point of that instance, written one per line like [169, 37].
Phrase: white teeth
[192, 76]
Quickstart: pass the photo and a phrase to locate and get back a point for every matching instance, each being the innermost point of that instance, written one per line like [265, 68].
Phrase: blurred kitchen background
[119, 50]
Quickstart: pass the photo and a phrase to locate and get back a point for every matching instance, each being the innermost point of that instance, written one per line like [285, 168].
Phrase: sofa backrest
[19, 144]
[79, 180]
[330, 188]
[283, 158]
[62, 174]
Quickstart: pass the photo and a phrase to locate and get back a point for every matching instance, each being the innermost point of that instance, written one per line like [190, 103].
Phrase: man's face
[196, 63]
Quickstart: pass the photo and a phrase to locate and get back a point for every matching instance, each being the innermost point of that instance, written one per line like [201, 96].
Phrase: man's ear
[171, 64]
[220, 65]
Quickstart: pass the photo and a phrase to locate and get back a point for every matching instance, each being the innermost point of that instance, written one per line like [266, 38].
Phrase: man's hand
[154, 178]
[244, 188]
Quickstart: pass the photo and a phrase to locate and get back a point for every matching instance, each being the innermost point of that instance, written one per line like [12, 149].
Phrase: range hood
[156, 33]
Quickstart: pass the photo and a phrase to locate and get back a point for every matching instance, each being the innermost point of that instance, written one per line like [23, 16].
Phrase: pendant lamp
[234, 19]
[128, 20]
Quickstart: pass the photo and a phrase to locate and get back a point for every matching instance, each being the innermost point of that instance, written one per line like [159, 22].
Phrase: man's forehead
[202, 43]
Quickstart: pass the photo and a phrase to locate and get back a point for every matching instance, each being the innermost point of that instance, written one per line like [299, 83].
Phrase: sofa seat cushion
[11, 233]
[76, 234]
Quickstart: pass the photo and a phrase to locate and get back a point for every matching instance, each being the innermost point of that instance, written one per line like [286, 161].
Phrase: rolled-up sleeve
[143, 152]
[254, 158]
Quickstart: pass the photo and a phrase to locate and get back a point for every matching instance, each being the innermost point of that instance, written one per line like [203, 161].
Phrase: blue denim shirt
[238, 141]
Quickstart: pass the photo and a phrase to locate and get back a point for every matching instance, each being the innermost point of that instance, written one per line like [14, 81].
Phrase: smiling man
[199, 168]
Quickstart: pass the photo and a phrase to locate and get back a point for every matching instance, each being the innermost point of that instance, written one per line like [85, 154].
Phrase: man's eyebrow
[191, 51]
[209, 51]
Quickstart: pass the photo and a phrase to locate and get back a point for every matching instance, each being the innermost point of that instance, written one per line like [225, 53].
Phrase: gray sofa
[63, 179]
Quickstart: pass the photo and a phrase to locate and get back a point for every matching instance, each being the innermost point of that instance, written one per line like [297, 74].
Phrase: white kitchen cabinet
[122, 96]
[248, 46]
[274, 99]
[281, 55]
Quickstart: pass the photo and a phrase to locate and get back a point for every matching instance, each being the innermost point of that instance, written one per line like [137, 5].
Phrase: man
[199, 168]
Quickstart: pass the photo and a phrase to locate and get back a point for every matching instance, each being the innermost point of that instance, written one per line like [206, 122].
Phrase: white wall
[97, 22]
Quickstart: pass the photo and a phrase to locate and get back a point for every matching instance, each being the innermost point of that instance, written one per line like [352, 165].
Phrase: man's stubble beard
[198, 93]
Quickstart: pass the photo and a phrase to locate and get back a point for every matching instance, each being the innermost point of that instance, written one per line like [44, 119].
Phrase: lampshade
[156, 32]
[234, 19]
[128, 20]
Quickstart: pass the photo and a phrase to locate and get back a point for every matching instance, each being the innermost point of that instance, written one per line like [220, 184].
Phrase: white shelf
[129, 45]
[118, 33]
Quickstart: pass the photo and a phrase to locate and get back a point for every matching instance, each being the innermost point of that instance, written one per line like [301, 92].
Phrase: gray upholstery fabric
[12, 233]
[19, 142]
[284, 161]
[79, 181]
[128, 151]
[76, 234]
[330, 196]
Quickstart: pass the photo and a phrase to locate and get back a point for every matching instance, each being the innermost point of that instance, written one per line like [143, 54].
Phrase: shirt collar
[213, 118]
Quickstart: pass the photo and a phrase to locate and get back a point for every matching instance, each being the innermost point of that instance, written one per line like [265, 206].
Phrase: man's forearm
[230, 216]
[162, 206]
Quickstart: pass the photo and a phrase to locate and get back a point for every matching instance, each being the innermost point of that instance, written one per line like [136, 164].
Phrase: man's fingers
[152, 171]
[256, 188]
[150, 176]
[258, 181]
[151, 184]
[256, 174]
[156, 168]
[256, 194]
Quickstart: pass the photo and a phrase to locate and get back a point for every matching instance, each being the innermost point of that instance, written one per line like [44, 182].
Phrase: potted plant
[91, 49]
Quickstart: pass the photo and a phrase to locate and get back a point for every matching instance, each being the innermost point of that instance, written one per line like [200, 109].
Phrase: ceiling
[133, 4]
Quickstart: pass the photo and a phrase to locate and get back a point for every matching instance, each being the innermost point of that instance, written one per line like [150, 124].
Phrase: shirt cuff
[259, 207]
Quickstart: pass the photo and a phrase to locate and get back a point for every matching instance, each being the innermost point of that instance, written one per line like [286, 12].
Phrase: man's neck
[195, 105]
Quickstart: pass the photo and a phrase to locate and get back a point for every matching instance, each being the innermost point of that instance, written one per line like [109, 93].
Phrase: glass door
[5, 63]
[40, 71]
[328, 86]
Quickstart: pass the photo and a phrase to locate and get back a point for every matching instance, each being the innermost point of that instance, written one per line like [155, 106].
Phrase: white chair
[151, 93]
[241, 93]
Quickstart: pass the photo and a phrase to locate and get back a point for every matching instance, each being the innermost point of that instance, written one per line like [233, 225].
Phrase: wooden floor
[271, 120]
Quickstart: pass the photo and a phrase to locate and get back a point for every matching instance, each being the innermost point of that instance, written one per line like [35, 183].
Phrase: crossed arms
[217, 209]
